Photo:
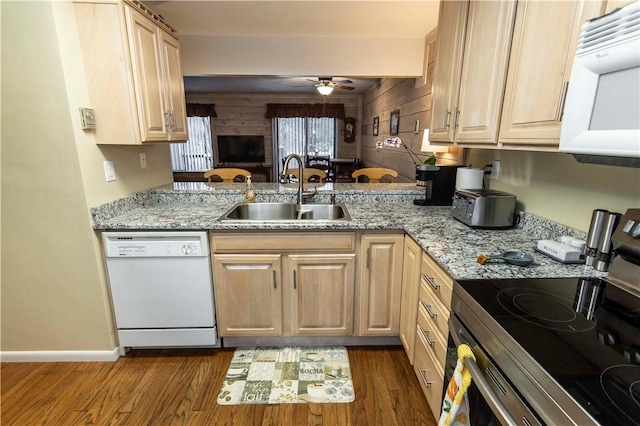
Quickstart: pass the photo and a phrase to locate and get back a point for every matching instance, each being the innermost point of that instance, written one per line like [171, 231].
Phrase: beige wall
[51, 294]
[555, 186]
[54, 291]
[273, 55]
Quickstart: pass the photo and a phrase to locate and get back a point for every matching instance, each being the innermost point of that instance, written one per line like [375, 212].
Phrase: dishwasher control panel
[148, 244]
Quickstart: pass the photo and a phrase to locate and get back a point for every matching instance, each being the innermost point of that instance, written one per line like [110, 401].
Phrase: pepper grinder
[605, 247]
[595, 228]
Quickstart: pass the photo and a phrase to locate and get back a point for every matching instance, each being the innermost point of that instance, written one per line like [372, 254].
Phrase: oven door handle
[497, 407]
[488, 393]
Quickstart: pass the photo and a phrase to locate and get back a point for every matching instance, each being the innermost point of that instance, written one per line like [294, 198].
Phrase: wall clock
[349, 130]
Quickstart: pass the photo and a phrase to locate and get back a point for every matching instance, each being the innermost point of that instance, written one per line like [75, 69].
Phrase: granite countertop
[455, 246]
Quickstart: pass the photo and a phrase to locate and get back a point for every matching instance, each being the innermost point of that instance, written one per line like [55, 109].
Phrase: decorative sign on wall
[394, 122]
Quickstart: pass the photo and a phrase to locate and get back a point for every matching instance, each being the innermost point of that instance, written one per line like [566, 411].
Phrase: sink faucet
[283, 177]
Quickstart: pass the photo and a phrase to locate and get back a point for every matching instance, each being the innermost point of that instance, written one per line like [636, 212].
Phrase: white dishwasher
[161, 288]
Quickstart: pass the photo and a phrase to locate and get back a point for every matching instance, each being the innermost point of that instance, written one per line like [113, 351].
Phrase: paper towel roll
[469, 178]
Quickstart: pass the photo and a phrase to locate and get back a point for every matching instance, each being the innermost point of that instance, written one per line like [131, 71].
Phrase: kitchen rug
[288, 375]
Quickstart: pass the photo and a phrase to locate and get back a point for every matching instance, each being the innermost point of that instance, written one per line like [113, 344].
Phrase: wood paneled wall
[413, 98]
[244, 114]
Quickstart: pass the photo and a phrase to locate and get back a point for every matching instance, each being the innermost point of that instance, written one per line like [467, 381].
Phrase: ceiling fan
[325, 85]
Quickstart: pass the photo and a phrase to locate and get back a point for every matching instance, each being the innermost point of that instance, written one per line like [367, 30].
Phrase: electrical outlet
[109, 171]
[495, 170]
[143, 160]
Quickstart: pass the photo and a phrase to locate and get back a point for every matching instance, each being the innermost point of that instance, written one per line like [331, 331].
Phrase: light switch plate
[495, 170]
[143, 160]
[88, 119]
[109, 171]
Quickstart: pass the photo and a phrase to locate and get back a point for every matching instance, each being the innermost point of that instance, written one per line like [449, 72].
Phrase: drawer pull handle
[431, 282]
[446, 119]
[275, 282]
[428, 309]
[425, 333]
[295, 284]
[426, 382]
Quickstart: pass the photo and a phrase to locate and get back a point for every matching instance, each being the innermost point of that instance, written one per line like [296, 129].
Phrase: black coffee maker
[439, 183]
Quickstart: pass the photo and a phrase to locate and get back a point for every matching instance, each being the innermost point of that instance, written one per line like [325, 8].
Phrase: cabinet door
[174, 87]
[451, 27]
[380, 285]
[144, 43]
[410, 288]
[544, 43]
[319, 294]
[484, 69]
[248, 294]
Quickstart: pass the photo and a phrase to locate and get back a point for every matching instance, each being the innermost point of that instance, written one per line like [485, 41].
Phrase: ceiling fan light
[325, 90]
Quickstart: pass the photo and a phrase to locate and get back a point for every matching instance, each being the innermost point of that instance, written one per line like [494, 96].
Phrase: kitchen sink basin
[286, 211]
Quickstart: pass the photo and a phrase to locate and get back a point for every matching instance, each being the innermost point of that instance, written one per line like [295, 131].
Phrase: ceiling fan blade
[345, 81]
[340, 86]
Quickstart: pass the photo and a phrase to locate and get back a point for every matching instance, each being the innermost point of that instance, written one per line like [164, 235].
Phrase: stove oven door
[492, 400]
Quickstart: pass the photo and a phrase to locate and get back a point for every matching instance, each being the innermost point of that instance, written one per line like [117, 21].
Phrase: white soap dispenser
[249, 192]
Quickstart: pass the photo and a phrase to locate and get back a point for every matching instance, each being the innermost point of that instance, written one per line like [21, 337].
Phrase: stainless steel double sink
[286, 211]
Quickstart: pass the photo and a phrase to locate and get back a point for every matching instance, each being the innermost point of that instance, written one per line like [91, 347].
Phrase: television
[240, 149]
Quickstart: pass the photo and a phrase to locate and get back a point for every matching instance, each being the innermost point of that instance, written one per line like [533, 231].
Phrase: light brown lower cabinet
[307, 288]
[410, 288]
[318, 294]
[380, 284]
[284, 295]
[430, 375]
[431, 329]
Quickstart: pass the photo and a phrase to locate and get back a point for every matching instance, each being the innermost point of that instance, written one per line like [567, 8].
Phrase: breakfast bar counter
[454, 245]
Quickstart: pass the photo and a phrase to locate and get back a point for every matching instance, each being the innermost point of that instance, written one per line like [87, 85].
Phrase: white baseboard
[59, 356]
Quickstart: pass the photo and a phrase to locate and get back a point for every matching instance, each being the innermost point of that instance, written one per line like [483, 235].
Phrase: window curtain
[305, 110]
[303, 136]
[196, 155]
[201, 110]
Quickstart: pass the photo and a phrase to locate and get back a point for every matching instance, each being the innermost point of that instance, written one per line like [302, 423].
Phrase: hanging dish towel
[455, 407]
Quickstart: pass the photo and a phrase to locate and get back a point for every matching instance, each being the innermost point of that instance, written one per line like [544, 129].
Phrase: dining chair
[321, 162]
[374, 174]
[227, 174]
[309, 174]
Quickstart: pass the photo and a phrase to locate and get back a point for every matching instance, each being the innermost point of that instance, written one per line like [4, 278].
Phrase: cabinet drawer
[283, 241]
[433, 276]
[436, 343]
[431, 378]
[433, 307]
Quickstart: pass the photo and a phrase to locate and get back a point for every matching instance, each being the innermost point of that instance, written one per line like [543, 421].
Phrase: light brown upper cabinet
[473, 117]
[512, 71]
[544, 43]
[134, 76]
[446, 82]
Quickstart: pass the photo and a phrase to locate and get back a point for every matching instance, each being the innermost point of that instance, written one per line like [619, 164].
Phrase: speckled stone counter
[455, 246]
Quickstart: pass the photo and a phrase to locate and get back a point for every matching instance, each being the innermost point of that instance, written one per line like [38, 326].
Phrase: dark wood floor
[166, 387]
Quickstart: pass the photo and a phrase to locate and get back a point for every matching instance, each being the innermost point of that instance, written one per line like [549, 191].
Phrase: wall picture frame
[394, 122]
[376, 125]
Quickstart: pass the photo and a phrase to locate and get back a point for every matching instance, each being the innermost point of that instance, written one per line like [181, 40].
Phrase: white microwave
[601, 122]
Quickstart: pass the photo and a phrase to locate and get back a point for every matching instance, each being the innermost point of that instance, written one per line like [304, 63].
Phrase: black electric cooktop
[584, 332]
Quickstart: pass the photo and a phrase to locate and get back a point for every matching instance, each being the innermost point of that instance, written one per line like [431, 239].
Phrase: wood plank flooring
[180, 387]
